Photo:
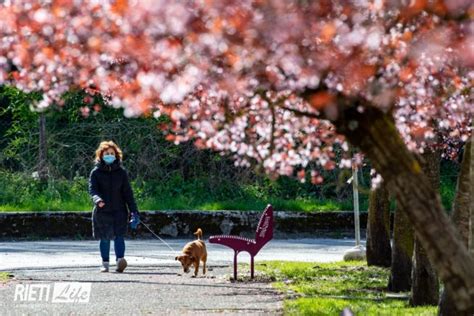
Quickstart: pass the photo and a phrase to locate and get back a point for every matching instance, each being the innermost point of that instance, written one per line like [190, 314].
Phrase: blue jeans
[119, 246]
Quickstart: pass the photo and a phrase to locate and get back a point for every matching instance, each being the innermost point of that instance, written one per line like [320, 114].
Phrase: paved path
[153, 283]
[15, 255]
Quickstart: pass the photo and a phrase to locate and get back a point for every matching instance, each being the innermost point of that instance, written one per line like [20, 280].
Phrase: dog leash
[146, 226]
[151, 231]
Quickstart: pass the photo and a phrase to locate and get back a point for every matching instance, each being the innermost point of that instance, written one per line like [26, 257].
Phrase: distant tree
[379, 251]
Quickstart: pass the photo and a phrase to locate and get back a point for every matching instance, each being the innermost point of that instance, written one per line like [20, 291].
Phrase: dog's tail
[198, 233]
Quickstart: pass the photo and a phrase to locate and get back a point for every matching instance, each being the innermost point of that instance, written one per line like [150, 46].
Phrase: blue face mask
[108, 159]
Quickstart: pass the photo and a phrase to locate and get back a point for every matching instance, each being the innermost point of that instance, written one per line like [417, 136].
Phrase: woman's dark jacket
[110, 184]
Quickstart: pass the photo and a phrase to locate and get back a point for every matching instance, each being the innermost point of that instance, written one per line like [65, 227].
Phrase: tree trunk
[471, 182]
[42, 164]
[402, 251]
[379, 251]
[460, 218]
[462, 200]
[425, 286]
[374, 132]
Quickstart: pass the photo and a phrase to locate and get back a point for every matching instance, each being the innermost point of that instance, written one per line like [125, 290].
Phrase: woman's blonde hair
[106, 145]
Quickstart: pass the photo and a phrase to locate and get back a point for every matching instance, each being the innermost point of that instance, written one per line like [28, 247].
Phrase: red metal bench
[263, 235]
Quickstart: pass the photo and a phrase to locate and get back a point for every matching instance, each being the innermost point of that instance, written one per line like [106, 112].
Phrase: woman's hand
[101, 204]
[135, 220]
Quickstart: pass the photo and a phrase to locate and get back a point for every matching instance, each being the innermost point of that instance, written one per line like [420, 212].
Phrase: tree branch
[302, 113]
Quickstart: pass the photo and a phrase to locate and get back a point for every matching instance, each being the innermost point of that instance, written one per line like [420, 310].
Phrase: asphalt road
[28, 254]
[153, 283]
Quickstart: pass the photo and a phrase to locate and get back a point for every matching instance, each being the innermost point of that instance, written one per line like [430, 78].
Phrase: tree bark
[425, 285]
[379, 251]
[402, 251]
[471, 182]
[460, 218]
[374, 132]
[462, 200]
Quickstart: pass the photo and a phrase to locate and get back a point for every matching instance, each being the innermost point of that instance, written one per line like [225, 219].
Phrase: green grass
[20, 193]
[179, 203]
[182, 203]
[5, 277]
[328, 288]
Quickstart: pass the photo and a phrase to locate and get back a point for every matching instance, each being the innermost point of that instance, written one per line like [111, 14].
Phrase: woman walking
[112, 194]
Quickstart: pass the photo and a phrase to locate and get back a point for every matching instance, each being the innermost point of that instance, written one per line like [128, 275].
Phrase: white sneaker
[105, 266]
[121, 265]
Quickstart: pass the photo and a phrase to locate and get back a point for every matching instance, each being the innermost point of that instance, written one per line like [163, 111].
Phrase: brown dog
[193, 253]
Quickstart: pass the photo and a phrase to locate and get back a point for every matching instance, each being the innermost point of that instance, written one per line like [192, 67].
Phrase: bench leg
[251, 267]
[235, 265]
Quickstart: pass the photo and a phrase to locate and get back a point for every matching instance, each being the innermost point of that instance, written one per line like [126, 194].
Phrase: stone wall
[182, 224]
